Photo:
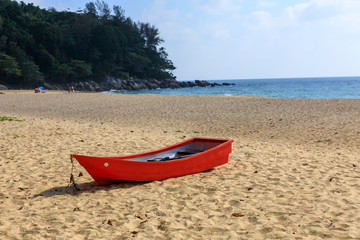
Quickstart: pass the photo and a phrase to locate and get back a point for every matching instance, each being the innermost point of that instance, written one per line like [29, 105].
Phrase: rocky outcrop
[129, 84]
[3, 87]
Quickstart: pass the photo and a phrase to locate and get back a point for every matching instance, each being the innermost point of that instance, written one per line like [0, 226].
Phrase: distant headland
[93, 49]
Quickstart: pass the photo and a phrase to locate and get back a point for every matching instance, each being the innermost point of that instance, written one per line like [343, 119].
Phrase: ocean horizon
[305, 88]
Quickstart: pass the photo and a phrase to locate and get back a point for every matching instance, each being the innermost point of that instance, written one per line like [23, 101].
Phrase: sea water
[311, 88]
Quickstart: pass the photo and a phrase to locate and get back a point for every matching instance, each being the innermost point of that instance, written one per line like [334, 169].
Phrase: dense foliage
[38, 45]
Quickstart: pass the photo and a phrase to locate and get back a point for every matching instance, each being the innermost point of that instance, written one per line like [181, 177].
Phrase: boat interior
[187, 150]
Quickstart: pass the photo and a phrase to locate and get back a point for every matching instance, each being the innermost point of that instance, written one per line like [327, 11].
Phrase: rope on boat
[72, 179]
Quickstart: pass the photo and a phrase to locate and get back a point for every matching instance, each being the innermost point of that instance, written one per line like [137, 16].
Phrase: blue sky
[239, 39]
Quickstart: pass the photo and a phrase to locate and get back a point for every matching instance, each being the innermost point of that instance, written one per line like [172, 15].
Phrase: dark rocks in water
[215, 84]
[202, 83]
[111, 83]
[228, 84]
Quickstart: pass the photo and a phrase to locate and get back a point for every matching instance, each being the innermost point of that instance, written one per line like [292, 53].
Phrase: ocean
[308, 88]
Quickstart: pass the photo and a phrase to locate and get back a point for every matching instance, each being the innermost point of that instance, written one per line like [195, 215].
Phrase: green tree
[9, 68]
[80, 69]
[46, 34]
[90, 8]
[103, 9]
[74, 71]
[151, 35]
[119, 13]
[1, 23]
[31, 75]
[38, 45]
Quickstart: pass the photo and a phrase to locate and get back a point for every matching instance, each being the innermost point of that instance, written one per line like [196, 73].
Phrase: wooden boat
[187, 157]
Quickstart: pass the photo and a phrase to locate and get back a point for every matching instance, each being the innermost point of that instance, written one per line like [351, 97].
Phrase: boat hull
[107, 170]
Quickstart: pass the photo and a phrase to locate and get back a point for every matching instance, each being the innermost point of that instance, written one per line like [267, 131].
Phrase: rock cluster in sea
[130, 84]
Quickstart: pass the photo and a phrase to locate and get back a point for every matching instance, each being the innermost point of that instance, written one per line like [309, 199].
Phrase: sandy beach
[294, 172]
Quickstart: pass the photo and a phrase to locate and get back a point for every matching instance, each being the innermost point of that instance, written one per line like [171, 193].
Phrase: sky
[245, 39]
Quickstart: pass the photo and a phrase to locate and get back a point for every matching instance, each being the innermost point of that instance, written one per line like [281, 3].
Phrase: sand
[294, 172]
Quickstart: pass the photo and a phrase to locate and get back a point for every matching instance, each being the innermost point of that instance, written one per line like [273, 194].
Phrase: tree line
[38, 45]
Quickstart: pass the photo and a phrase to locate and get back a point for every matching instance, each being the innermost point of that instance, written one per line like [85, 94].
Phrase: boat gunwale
[128, 158]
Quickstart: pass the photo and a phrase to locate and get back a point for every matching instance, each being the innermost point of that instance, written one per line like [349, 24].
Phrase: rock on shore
[3, 87]
[129, 84]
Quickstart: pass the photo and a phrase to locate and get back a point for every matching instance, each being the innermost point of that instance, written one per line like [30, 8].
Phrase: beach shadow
[209, 170]
[85, 188]
[93, 187]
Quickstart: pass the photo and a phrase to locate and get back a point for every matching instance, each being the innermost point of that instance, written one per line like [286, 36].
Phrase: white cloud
[174, 32]
[171, 23]
[259, 19]
[262, 38]
[219, 31]
[265, 4]
[159, 11]
[313, 38]
[218, 7]
[331, 14]
[317, 10]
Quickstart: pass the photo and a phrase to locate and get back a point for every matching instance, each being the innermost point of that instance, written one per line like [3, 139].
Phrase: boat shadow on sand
[91, 187]
[87, 187]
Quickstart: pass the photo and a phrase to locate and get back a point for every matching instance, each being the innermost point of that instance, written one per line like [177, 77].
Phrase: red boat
[187, 157]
